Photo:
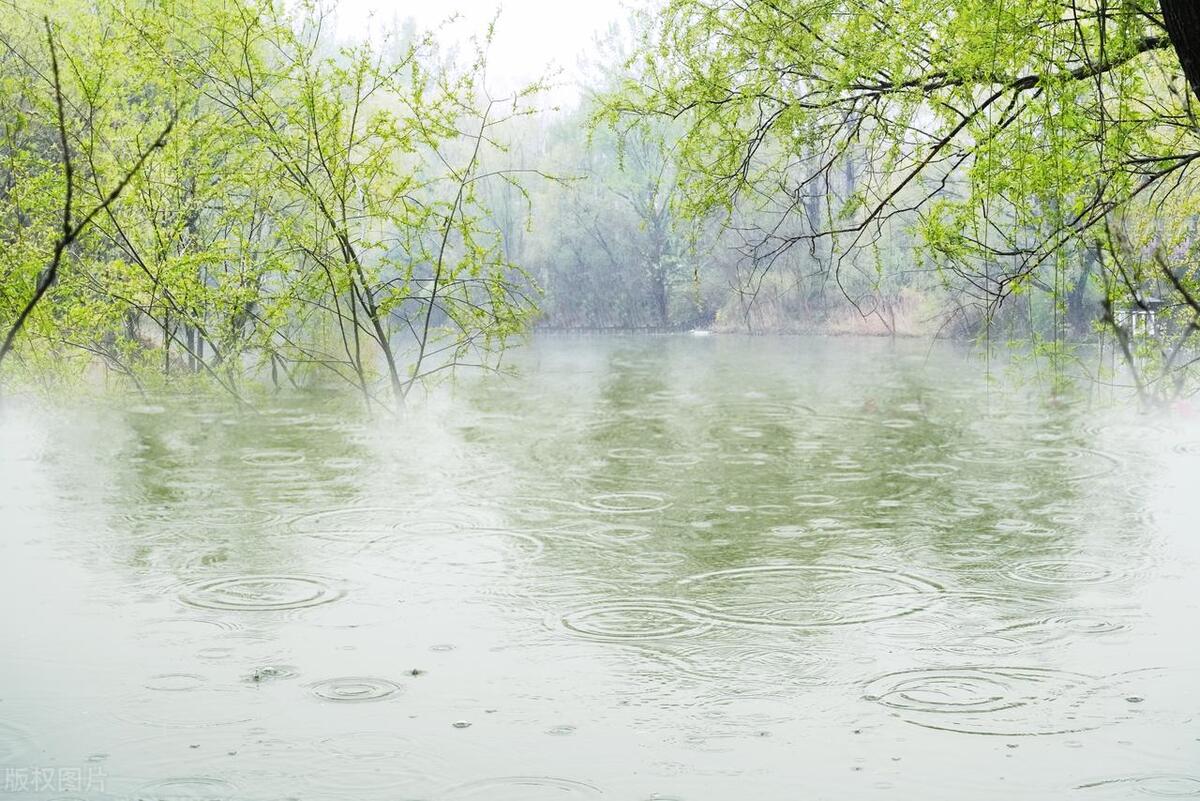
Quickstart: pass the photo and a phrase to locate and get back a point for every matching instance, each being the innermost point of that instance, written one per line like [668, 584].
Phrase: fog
[704, 400]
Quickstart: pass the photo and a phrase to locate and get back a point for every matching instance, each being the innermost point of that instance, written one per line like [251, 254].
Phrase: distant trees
[606, 244]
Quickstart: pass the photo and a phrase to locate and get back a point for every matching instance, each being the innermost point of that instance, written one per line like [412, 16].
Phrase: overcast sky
[531, 35]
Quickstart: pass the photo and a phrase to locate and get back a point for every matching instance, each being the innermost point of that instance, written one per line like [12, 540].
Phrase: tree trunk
[190, 333]
[1182, 18]
[1079, 315]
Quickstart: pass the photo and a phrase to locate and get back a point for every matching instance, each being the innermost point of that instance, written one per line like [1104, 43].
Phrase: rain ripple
[278, 457]
[1061, 571]
[626, 503]
[260, 593]
[522, 788]
[380, 519]
[355, 689]
[1162, 785]
[370, 764]
[635, 620]
[175, 682]
[195, 788]
[804, 596]
[999, 700]
[1073, 464]
[792, 663]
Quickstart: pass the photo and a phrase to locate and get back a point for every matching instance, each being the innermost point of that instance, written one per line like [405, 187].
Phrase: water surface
[646, 568]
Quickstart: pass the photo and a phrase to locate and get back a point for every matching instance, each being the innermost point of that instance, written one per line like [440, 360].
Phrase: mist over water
[643, 568]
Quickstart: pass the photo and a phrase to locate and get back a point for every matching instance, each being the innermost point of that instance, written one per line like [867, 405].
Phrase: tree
[320, 211]
[74, 223]
[1009, 137]
[609, 250]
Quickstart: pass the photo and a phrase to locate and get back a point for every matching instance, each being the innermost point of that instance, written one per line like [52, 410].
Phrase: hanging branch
[71, 228]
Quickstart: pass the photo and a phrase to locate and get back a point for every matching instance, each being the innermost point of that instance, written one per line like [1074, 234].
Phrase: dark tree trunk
[658, 281]
[190, 333]
[812, 210]
[1182, 18]
[1079, 314]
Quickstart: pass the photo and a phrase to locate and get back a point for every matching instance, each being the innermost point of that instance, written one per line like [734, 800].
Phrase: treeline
[615, 246]
[262, 201]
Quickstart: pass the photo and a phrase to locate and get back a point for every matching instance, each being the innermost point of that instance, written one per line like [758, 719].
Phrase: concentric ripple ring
[808, 596]
[260, 593]
[355, 689]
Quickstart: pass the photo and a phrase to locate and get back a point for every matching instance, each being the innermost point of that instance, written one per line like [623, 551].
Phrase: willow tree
[1012, 137]
[318, 211]
[381, 154]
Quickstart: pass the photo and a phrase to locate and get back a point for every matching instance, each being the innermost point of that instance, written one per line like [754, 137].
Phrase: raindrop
[267, 673]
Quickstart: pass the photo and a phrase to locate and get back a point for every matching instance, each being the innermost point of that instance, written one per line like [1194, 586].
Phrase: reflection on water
[649, 568]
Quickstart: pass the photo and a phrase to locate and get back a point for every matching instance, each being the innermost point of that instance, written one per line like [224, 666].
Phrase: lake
[644, 567]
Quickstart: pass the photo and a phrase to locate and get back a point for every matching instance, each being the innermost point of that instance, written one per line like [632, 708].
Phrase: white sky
[531, 35]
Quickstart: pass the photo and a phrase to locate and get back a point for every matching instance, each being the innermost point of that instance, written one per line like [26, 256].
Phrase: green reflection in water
[712, 568]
